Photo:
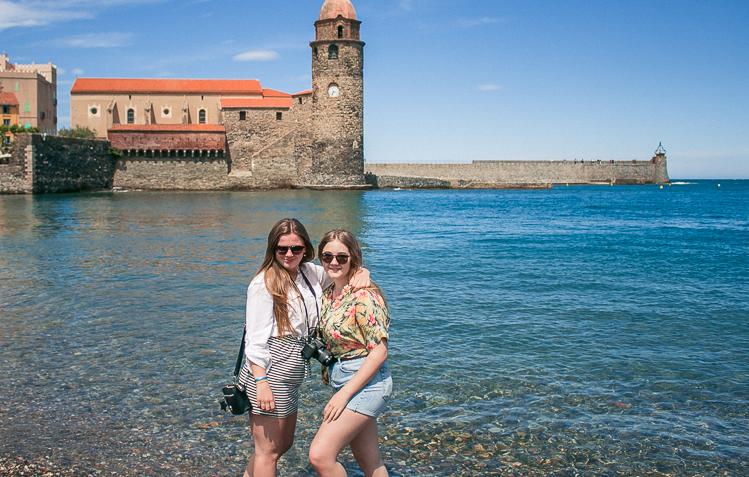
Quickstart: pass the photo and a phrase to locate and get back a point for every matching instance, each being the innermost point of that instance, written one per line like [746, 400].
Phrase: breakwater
[44, 164]
[508, 174]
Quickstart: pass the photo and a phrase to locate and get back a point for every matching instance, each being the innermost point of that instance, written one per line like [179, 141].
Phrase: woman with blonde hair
[283, 303]
[354, 324]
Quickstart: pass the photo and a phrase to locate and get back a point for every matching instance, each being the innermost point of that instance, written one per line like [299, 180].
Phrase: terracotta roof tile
[169, 127]
[306, 92]
[259, 103]
[273, 93]
[8, 99]
[179, 86]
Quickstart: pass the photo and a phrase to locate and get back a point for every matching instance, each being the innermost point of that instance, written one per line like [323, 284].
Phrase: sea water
[571, 331]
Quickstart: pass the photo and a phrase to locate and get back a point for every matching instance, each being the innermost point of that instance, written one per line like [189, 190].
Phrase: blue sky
[448, 80]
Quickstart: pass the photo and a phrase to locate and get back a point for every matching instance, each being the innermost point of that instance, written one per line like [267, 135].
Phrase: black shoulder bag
[234, 398]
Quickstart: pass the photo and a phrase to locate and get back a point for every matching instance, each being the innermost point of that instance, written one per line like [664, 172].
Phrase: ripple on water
[575, 331]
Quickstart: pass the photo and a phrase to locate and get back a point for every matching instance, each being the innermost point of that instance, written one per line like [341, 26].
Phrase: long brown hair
[356, 258]
[278, 281]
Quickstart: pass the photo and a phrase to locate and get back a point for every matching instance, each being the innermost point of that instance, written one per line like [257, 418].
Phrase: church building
[186, 131]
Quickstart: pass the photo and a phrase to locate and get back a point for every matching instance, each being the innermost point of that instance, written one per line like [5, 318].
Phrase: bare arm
[265, 398]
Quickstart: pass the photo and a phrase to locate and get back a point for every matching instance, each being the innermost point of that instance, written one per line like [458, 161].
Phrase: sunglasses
[295, 249]
[328, 257]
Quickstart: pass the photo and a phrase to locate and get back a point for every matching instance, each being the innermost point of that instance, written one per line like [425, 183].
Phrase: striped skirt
[285, 376]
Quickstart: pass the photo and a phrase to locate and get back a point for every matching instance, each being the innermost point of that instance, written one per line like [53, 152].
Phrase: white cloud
[96, 40]
[477, 22]
[257, 55]
[17, 14]
[31, 13]
[76, 72]
[490, 87]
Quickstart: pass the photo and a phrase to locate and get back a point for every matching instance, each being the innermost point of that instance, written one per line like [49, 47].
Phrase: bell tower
[336, 157]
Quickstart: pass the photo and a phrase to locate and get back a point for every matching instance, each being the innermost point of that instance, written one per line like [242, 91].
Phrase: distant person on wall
[283, 303]
[354, 324]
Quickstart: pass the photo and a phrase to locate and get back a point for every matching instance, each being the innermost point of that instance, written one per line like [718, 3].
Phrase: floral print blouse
[353, 324]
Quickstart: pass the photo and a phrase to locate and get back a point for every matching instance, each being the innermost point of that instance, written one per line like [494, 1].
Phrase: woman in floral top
[354, 324]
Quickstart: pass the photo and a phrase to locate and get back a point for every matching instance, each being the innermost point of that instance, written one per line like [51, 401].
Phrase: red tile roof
[165, 86]
[306, 92]
[272, 93]
[257, 103]
[169, 127]
[8, 99]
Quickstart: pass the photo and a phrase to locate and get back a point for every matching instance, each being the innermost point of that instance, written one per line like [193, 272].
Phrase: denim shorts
[372, 398]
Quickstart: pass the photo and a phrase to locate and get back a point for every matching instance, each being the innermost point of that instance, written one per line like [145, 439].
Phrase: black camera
[315, 348]
[235, 400]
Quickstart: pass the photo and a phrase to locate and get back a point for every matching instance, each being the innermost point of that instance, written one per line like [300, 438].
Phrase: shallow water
[571, 331]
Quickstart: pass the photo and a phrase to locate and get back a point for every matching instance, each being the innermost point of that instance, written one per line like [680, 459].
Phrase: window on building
[340, 32]
[42, 115]
[201, 116]
[333, 52]
[301, 101]
[6, 109]
[314, 50]
[6, 122]
[166, 112]
[279, 116]
[131, 116]
[18, 86]
[27, 106]
[93, 110]
[243, 115]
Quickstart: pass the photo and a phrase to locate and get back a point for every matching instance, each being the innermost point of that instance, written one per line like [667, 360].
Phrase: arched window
[333, 52]
[340, 32]
[201, 116]
[131, 116]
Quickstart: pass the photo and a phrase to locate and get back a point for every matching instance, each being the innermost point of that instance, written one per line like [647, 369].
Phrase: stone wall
[200, 173]
[524, 173]
[44, 164]
[13, 177]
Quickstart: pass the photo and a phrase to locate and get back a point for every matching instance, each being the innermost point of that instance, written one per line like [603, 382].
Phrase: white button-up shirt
[259, 318]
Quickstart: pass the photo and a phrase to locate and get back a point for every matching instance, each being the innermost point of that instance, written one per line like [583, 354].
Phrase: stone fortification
[177, 173]
[43, 164]
[487, 174]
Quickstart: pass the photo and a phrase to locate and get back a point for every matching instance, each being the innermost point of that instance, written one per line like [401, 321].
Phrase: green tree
[77, 132]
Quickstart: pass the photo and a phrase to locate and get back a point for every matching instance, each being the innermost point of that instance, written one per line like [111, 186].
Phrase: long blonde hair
[278, 281]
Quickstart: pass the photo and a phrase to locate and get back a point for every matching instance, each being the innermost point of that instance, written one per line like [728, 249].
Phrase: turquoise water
[571, 331]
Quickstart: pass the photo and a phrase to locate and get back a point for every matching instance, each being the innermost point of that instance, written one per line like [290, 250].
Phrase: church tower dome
[331, 9]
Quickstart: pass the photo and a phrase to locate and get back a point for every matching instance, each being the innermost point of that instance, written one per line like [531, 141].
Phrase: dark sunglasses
[328, 257]
[295, 249]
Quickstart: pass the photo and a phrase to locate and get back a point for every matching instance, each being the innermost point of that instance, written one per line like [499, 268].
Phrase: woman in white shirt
[283, 308]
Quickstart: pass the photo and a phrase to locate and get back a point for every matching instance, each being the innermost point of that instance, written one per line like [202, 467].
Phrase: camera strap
[306, 315]
[240, 356]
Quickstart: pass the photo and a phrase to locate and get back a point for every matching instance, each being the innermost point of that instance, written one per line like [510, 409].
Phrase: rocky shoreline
[20, 467]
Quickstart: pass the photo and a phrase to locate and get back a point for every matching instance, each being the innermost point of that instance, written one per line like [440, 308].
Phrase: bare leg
[331, 438]
[273, 437]
[366, 449]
